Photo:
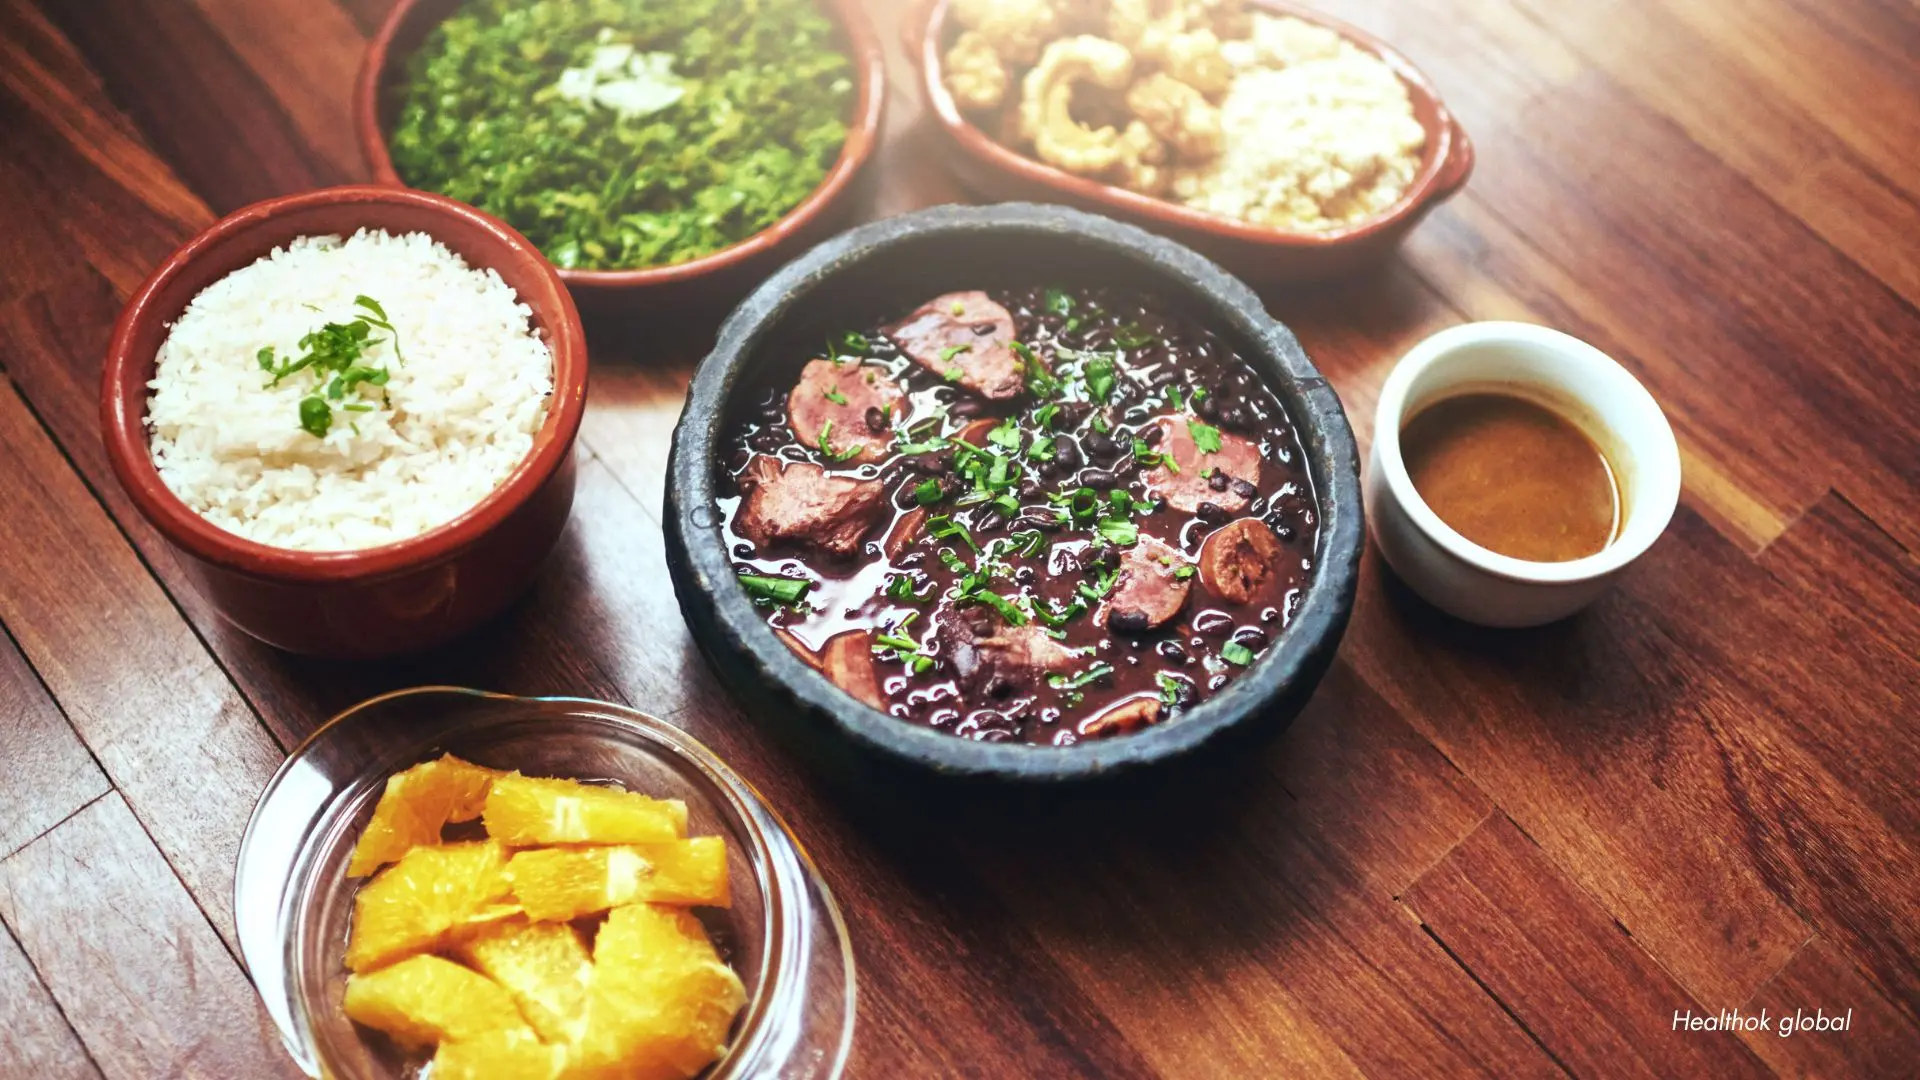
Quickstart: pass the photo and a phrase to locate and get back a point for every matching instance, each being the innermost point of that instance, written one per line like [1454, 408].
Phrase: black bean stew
[1031, 515]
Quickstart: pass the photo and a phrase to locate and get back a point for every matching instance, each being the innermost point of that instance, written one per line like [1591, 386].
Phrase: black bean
[1208, 407]
[774, 414]
[1108, 559]
[766, 440]
[1152, 435]
[966, 408]
[1068, 455]
[1128, 622]
[1139, 414]
[1211, 513]
[1270, 614]
[1284, 532]
[1126, 466]
[1162, 378]
[1242, 377]
[1217, 481]
[1073, 412]
[982, 329]
[876, 420]
[1216, 682]
[1100, 479]
[1212, 622]
[940, 461]
[1244, 489]
[1033, 517]
[1030, 489]
[1173, 651]
[1252, 637]
[1023, 575]
[1099, 445]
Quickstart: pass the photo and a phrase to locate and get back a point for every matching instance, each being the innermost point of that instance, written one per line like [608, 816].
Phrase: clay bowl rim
[124, 377]
[1449, 155]
[1326, 437]
[863, 136]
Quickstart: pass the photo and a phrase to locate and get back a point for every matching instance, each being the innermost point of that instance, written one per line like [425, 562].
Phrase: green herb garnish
[943, 527]
[1043, 416]
[826, 449]
[1001, 604]
[1099, 375]
[1235, 653]
[1169, 689]
[1100, 669]
[777, 590]
[315, 416]
[1205, 436]
[333, 353]
[1130, 336]
[1058, 302]
[835, 396]
[947, 354]
[1118, 531]
[900, 587]
[928, 491]
[1040, 382]
[724, 117]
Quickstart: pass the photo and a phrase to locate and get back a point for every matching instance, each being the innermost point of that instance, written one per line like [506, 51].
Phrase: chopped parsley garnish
[1099, 376]
[943, 527]
[1007, 609]
[928, 491]
[1099, 670]
[1170, 688]
[1131, 336]
[1041, 448]
[953, 562]
[1007, 434]
[1046, 614]
[1027, 543]
[777, 590]
[900, 587]
[1118, 531]
[1043, 417]
[335, 350]
[1148, 456]
[927, 447]
[1121, 502]
[835, 396]
[1040, 382]
[1099, 587]
[1080, 504]
[1058, 302]
[1205, 436]
[1174, 397]
[1235, 653]
[854, 342]
[1184, 572]
[947, 354]
[826, 448]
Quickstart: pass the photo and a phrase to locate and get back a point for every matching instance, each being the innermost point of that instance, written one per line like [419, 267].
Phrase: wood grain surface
[1475, 853]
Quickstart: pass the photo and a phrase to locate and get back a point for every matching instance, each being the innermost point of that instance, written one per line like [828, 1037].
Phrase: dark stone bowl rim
[718, 608]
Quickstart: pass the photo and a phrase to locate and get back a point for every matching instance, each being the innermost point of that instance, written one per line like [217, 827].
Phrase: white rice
[459, 414]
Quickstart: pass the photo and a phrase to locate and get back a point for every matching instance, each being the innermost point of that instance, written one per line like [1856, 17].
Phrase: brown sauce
[1513, 476]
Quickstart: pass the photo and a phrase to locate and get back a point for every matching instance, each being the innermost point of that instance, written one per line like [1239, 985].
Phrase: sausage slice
[847, 659]
[1238, 459]
[846, 396]
[1000, 662]
[1146, 594]
[804, 504]
[966, 338]
[1240, 560]
[1124, 718]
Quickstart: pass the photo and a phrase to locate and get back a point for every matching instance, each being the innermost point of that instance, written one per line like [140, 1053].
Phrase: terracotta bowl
[408, 24]
[373, 602]
[1259, 251]
[887, 267]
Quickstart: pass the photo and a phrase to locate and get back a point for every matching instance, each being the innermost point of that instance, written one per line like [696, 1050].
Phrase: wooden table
[1475, 853]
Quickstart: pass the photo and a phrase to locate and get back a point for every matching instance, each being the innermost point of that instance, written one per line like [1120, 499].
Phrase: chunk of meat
[1239, 561]
[1123, 718]
[999, 662]
[905, 531]
[1238, 459]
[847, 659]
[965, 338]
[804, 504]
[844, 400]
[1146, 594]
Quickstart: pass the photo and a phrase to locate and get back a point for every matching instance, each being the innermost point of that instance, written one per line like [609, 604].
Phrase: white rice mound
[461, 410]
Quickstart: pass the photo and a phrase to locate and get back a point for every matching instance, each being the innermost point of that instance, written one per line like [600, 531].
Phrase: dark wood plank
[306, 55]
[1592, 996]
[140, 974]
[1881, 1042]
[135, 682]
[193, 97]
[38, 1043]
[45, 772]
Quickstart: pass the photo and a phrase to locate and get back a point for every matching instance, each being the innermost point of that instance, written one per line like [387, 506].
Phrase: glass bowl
[292, 898]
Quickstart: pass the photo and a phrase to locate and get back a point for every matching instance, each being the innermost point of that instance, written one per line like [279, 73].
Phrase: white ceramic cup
[1579, 382]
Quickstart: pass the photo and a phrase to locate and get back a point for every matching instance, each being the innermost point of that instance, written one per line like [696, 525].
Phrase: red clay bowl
[1259, 251]
[407, 26]
[374, 602]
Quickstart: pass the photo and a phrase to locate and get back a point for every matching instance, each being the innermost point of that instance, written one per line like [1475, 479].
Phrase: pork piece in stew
[1032, 515]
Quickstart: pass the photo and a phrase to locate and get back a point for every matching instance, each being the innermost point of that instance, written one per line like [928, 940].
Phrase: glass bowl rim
[784, 937]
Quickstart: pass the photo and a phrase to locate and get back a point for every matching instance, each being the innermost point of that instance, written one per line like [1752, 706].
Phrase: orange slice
[416, 805]
[543, 966]
[425, 999]
[561, 883]
[414, 905]
[514, 1054]
[522, 811]
[662, 1000]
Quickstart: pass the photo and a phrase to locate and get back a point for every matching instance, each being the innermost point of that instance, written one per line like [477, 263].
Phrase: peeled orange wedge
[499, 1055]
[560, 883]
[543, 966]
[415, 806]
[416, 905]
[425, 1000]
[662, 1000]
[522, 811]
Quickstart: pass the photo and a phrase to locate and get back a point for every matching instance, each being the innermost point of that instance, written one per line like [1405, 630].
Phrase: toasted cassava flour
[1319, 132]
[283, 409]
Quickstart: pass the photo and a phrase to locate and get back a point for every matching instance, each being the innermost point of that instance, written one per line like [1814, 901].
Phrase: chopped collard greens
[619, 134]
